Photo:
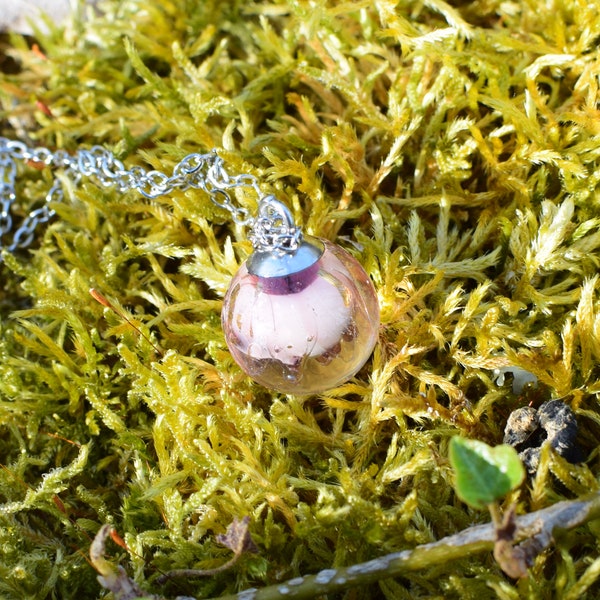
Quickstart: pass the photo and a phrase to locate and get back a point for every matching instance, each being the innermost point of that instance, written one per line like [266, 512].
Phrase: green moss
[457, 146]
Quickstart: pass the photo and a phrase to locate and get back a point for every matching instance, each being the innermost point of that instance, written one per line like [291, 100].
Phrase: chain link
[197, 171]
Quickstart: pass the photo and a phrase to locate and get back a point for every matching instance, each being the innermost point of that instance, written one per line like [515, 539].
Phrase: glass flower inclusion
[303, 332]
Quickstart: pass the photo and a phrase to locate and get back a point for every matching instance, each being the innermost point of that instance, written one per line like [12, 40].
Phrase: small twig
[237, 538]
[114, 579]
[536, 531]
[196, 573]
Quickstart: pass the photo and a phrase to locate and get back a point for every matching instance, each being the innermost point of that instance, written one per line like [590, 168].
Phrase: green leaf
[484, 474]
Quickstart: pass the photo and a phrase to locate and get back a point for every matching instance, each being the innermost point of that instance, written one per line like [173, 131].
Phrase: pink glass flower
[305, 332]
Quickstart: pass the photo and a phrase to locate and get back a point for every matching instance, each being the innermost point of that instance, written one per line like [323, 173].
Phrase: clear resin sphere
[305, 332]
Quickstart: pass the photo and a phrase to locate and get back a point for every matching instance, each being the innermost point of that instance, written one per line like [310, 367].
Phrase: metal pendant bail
[274, 228]
[280, 249]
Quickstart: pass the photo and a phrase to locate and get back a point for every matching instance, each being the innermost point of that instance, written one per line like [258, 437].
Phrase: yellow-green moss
[453, 149]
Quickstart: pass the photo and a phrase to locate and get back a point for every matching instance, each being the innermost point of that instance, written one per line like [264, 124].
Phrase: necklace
[300, 316]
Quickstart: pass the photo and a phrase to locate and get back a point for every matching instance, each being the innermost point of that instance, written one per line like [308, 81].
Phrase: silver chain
[198, 171]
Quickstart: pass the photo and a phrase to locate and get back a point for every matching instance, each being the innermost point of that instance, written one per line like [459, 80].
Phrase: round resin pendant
[301, 322]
